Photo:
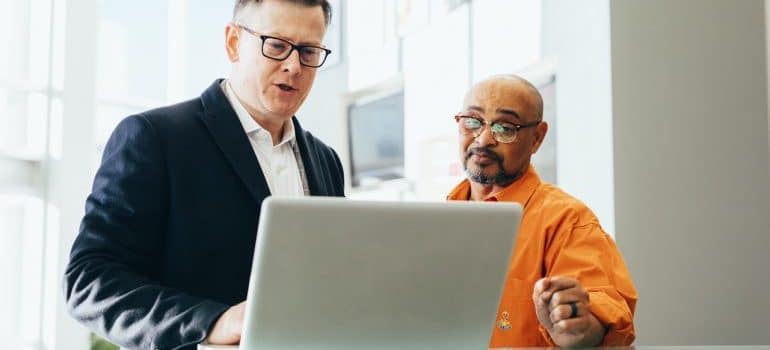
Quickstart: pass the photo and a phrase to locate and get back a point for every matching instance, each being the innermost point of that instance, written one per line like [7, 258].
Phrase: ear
[232, 39]
[540, 131]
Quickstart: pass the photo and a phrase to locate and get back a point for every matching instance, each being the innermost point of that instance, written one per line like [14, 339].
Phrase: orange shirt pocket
[516, 324]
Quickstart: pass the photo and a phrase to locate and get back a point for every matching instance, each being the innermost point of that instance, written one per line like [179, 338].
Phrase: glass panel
[52, 277]
[39, 44]
[59, 39]
[333, 39]
[11, 216]
[24, 76]
[204, 56]
[13, 126]
[132, 51]
[366, 26]
[31, 271]
[14, 26]
[56, 129]
[37, 112]
[429, 107]
[506, 36]
[413, 15]
[440, 8]
[23, 123]
[373, 50]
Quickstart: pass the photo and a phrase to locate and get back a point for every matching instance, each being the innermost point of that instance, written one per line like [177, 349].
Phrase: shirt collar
[519, 191]
[249, 124]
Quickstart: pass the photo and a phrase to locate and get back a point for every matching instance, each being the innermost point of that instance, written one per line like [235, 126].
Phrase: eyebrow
[504, 111]
[301, 43]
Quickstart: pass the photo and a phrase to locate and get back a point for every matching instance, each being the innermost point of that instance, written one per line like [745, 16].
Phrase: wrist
[594, 335]
[221, 332]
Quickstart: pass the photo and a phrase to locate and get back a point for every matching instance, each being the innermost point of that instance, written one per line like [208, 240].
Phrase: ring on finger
[573, 309]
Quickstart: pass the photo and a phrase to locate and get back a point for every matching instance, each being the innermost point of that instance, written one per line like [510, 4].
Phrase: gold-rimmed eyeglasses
[502, 131]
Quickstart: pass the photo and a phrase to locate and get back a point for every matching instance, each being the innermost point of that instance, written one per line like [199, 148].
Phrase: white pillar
[576, 36]
[692, 180]
[70, 176]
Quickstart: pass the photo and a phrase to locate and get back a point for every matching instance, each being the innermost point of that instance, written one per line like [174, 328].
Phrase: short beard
[501, 178]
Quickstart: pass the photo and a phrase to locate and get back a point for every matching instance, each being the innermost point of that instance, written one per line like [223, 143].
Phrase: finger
[564, 312]
[575, 326]
[563, 282]
[541, 286]
[567, 296]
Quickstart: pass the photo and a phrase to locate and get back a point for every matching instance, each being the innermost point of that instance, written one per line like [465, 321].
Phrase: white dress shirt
[278, 163]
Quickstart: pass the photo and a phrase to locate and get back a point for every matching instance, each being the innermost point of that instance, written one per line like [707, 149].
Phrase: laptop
[334, 273]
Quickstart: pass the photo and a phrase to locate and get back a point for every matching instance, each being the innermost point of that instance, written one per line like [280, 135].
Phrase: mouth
[482, 157]
[286, 87]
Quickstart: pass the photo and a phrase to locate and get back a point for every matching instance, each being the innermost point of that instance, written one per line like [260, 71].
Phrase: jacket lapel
[227, 131]
[310, 161]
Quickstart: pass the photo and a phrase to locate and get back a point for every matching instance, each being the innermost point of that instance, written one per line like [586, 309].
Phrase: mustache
[482, 151]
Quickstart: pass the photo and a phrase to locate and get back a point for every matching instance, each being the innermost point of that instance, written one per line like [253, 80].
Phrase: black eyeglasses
[502, 131]
[280, 49]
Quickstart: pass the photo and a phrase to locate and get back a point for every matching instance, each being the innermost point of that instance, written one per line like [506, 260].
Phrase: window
[146, 54]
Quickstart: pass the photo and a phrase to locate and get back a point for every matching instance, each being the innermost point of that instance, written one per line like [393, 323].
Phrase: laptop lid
[338, 273]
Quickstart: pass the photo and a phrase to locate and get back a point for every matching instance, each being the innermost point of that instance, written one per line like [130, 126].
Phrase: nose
[291, 64]
[485, 138]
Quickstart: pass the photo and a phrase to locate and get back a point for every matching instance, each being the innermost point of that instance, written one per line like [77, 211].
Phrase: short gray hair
[325, 6]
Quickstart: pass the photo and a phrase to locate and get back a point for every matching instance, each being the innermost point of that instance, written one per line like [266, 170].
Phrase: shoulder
[174, 116]
[559, 205]
[325, 162]
[157, 126]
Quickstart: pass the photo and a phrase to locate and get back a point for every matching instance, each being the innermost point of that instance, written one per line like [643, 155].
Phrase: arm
[340, 190]
[554, 299]
[587, 268]
[110, 281]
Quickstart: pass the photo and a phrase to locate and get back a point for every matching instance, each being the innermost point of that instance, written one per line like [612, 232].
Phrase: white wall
[692, 178]
[433, 93]
[576, 38]
[505, 36]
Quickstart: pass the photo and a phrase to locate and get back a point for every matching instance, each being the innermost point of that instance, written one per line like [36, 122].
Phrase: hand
[227, 329]
[552, 297]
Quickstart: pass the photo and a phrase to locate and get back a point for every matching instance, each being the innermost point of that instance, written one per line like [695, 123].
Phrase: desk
[712, 347]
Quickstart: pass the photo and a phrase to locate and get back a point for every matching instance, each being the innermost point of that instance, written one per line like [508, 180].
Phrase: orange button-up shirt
[558, 236]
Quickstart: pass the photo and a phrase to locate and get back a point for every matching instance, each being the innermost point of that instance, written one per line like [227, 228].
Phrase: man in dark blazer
[163, 256]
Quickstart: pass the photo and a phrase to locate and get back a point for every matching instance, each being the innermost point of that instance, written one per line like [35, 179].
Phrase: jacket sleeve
[587, 253]
[339, 180]
[110, 281]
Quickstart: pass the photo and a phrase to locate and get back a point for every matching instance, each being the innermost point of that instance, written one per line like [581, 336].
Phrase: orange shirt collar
[519, 191]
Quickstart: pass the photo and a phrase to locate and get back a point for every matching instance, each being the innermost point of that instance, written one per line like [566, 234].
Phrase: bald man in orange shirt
[567, 284]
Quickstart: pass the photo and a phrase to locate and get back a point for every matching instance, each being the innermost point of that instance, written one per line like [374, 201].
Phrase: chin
[283, 110]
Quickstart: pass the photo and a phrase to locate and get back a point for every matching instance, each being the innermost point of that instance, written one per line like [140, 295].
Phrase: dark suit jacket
[167, 240]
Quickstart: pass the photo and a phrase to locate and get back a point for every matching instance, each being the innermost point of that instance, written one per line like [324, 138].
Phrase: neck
[480, 192]
[271, 123]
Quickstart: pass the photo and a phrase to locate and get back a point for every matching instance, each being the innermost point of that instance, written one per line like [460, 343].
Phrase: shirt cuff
[547, 336]
[613, 316]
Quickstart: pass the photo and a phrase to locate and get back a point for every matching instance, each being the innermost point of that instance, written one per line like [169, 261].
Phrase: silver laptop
[332, 273]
